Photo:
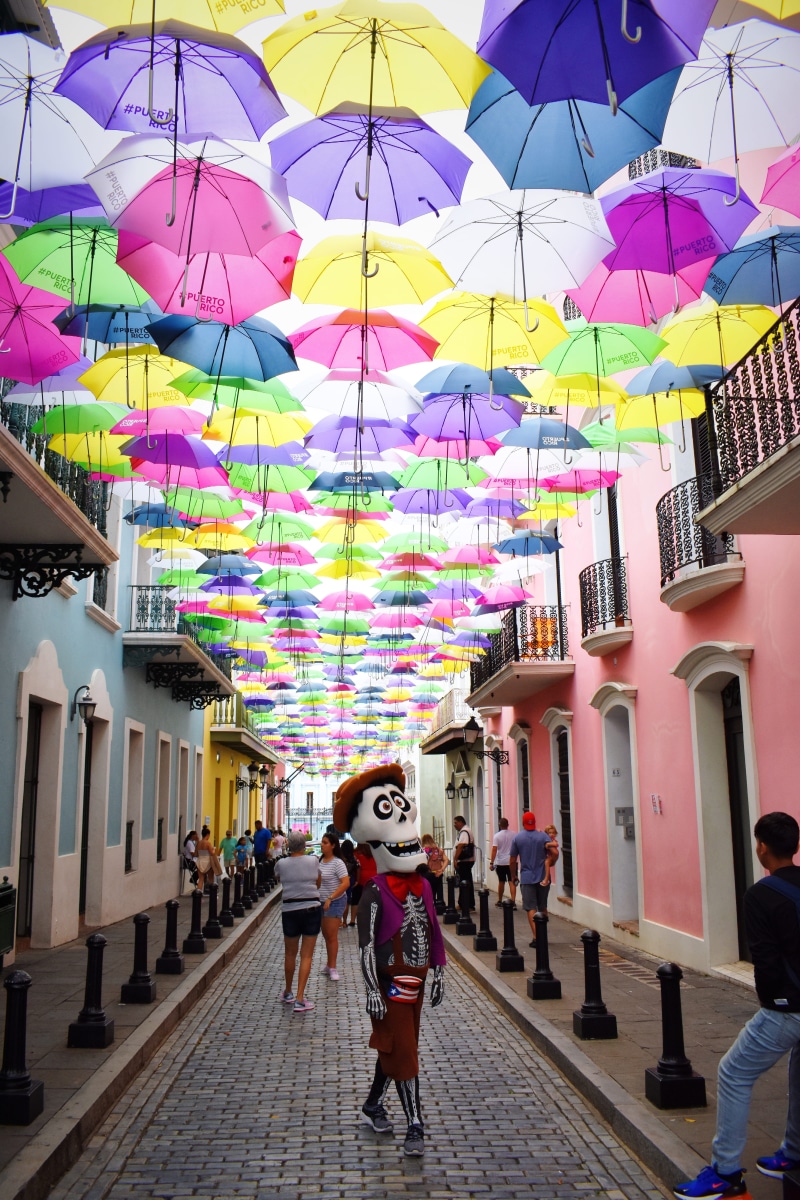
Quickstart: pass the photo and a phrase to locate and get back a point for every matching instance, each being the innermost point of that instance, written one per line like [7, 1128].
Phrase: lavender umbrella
[406, 166]
[172, 74]
[28, 208]
[336, 434]
[588, 49]
[463, 417]
[429, 502]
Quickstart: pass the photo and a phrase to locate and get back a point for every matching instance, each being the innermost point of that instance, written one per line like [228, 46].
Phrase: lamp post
[85, 707]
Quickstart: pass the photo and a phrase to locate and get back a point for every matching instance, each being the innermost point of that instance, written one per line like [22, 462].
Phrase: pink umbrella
[782, 185]
[169, 475]
[349, 338]
[395, 620]
[579, 481]
[345, 602]
[31, 347]
[446, 610]
[479, 556]
[287, 554]
[452, 448]
[226, 287]
[638, 297]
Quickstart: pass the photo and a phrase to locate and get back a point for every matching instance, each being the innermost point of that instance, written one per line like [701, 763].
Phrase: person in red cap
[532, 849]
[399, 939]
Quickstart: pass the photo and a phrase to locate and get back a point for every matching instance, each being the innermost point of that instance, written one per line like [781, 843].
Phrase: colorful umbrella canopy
[75, 258]
[254, 348]
[206, 13]
[603, 350]
[763, 268]
[491, 331]
[637, 297]
[710, 334]
[782, 185]
[31, 346]
[378, 340]
[332, 272]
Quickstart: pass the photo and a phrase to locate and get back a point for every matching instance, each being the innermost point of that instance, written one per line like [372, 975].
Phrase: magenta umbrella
[171, 418]
[345, 602]
[379, 340]
[782, 186]
[638, 297]
[31, 348]
[579, 481]
[226, 287]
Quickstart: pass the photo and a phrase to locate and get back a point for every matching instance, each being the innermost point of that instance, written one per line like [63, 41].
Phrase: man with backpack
[772, 923]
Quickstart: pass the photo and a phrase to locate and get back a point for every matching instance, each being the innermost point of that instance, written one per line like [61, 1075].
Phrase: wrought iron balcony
[233, 725]
[530, 653]
[685, 544]
[757, 421]
[605, 617]
[447, 726]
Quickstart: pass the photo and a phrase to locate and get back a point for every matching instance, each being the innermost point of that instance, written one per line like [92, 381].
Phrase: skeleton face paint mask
[388, 821]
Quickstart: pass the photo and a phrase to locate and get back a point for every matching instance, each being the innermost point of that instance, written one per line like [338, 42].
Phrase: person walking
[530, 848]
[772, 925]
[228, 851]
[464, 858]
[300, 878]
[351, 863]
[499, 862]
[261, 840]
[190, 855]
[332, 893]
[437, 865]
[206, 853]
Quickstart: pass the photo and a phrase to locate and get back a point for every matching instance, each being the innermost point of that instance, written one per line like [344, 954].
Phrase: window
[133, 776]
[309, 801]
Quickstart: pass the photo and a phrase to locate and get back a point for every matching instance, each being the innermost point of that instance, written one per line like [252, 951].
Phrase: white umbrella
[522, 243]
[384, 398]
[47, 140]
[740, 94]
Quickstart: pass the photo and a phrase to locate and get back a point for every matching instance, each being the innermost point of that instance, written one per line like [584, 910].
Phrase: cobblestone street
[247, 1099]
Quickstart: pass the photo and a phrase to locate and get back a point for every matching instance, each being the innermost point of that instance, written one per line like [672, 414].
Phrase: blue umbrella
[109, 323]
[255, 348]
[464, 378]
[666, 377]
[570, 144]
[346, 481]
[543, 433]
[528, 543]
[232, 564]
[157, 515]
[762, 268]
[397, 598]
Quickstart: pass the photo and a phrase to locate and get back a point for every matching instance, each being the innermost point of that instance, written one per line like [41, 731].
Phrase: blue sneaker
[709, 1183]
[776, 1165]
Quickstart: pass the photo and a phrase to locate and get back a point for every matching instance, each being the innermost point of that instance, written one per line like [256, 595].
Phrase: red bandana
[401, 885]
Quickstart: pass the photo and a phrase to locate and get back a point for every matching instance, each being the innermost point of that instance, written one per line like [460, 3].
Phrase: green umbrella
[289, 578]
[278, 527]
[344, 623]
[333, 550]
[181, 577]
[374, 502]
[238, 391]
[268, 477]
[197, 504]
[76, 259]
[602, 433]
[603, 350]
[438, 474]
[413, 541]
[81, 418]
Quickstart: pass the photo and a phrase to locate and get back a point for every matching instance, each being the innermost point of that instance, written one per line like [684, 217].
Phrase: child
[550, 861]
[241, 855]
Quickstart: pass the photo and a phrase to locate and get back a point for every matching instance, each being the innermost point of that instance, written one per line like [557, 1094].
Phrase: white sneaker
[333, 974]
[325, 971]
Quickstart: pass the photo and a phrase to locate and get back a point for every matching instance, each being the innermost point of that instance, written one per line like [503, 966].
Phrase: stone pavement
[248, 1100]
[490, 1106]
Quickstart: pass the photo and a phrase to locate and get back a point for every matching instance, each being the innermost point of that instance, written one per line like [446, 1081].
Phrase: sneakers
[776, 1165]
[333, 974]
[286, 997]
[325, 971]
[414, 1145]
[302, 1006]
[376, 1118]
[710, 1183]
[532, 944]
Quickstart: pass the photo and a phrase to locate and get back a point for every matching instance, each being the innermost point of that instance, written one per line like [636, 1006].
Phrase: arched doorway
[616, 704]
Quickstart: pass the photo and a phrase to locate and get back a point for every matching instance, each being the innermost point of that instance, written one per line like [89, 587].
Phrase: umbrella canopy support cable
[728, 203]
[170, 216]
[151, 113]
[184, 288]
[365, 270]
[26, 120]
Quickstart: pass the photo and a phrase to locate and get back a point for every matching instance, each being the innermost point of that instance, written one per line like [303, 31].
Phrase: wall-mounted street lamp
[450, 791]
[85, 707]
[257, 778]
[464, 790]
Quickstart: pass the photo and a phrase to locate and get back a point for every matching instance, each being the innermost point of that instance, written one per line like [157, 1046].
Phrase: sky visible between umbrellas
[354, 307]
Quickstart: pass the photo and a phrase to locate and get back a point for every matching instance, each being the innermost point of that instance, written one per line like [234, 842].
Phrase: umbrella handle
[624, 26]
[734, 199]
[364, 197]
[150, 113]
[4, 349]
[612, 98]
[364, 262]
[13, 201]
[588, 147]
[170, 216]
[528, 327]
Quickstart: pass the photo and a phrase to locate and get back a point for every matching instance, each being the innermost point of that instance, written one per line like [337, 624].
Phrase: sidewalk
[82, 1085]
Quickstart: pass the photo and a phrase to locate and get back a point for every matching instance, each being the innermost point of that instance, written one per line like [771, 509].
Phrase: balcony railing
[530, 633]
[757, 404]
[90, 495]
[604, 595]
[153, 611]
[231, 710]
[452, 709]
[681, 542]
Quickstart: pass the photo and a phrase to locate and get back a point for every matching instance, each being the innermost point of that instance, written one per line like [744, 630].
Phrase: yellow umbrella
[368, 51]
[547, 512]
[351, 568]
[490, 331]
[358, 533]
[263, 429]
[331, 272]
[207, 14]
[648, 412]
[235, 604]
[585, 390]
[718, 334]
[155, 537]
[95, 451]
[138, 376]
[219, 535]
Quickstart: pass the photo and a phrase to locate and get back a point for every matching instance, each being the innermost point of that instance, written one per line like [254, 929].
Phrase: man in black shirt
[772, 922]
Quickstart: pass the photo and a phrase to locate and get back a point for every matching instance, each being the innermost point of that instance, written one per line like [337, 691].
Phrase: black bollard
[593, 1020]
[450, 912]
[226, 916]
[673, 1083]
[195, 943]
[141, 987]
[484, 939]
[543, 984]
[465, 924]
[237, 908]
[170, 961]
[251, 881]
[212, 927]
[93, 1030]
[246, 898]
[261, 875]
[21, 1098]
[509, 958]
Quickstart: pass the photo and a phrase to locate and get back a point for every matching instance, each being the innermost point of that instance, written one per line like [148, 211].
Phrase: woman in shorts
[300, 879]
[333, 894]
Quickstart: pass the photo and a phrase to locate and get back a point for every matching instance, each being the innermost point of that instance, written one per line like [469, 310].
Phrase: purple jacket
[391, 918]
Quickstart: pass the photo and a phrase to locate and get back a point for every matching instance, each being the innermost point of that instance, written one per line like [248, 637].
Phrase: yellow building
[240, 770]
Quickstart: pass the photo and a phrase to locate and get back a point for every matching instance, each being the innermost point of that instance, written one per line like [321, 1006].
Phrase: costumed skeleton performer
[399, 939]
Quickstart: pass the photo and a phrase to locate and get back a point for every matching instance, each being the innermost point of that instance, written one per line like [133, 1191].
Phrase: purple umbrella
[31, 207]
[336, 434]
[430, 503]
[289, 454]
[406, 167]
[172, 449]
[464, 417]
[589, 49]
[500, 509]
[138, 77]
[674, 217]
